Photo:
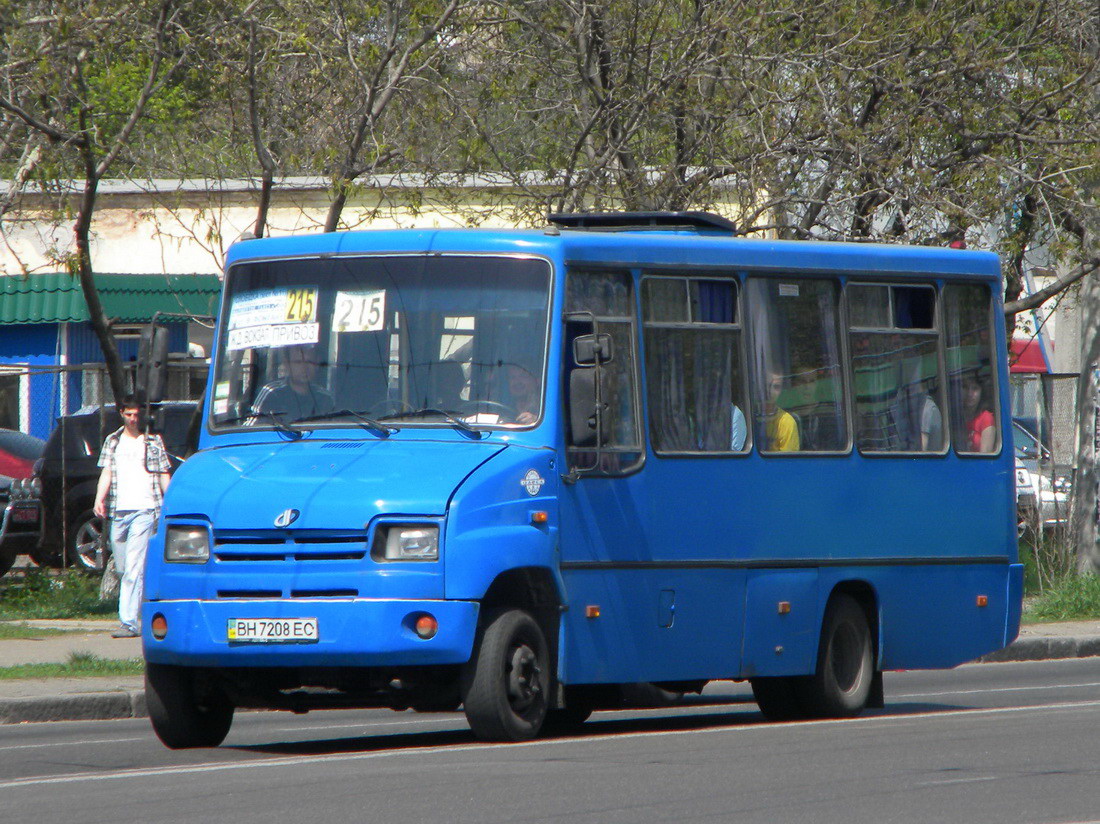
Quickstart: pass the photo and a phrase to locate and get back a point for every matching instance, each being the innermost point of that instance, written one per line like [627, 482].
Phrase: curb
[92, 706]
[1045, 648]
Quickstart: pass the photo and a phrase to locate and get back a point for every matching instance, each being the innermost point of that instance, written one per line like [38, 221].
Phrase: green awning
[57, 297]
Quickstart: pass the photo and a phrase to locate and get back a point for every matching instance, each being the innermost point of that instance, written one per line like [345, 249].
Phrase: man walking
[130, 491]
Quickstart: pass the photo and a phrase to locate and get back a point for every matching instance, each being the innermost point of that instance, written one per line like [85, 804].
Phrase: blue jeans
[130, 534]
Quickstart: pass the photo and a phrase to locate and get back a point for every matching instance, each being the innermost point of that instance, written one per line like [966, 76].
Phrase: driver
[296, 395]
[523, 389]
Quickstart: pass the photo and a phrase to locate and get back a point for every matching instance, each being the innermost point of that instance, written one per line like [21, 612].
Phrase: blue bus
[514, 471]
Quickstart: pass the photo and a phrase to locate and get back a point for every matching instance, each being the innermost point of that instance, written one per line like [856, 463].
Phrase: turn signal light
[427, 626]
[159, 626]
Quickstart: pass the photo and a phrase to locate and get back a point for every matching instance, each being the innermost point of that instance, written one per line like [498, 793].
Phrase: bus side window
[974, 404]
[602, 302]
[693, 366]
[797, 383]
[896, 382]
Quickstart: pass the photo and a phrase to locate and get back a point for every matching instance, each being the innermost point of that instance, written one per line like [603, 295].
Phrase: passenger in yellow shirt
[780, 426]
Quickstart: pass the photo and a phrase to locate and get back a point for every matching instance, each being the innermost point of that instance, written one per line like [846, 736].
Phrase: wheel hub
[524, 681]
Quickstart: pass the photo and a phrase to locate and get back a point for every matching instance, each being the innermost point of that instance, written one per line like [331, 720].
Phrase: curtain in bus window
[798, 396]
[690, 375]
[972, 386]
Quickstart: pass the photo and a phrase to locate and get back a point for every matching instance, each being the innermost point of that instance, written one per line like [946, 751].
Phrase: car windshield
[1027, 445]
[396, 340]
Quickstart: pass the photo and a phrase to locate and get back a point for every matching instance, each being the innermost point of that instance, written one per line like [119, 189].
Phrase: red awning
[1027, 356]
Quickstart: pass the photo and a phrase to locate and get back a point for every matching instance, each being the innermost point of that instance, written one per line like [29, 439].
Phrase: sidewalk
[69, 699]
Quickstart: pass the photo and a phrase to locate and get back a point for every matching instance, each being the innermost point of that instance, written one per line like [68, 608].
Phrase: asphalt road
[984, 743]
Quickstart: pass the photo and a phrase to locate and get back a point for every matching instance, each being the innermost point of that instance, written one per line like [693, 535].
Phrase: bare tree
[83, 82]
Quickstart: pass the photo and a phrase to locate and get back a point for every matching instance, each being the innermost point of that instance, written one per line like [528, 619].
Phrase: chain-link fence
[1045, 424]
[69, 407]
[33, 398]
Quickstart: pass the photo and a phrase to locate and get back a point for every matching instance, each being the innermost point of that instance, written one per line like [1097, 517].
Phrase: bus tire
[507, 683]
[779, 698]
[182, 719]
[841, 685]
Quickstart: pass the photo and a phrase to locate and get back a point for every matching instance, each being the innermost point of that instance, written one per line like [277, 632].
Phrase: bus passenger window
[975, 413]
[693, 365]
[794, 360]
[895, 368]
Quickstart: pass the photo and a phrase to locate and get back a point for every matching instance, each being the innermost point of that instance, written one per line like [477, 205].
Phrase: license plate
[273, 630]
[24, 516]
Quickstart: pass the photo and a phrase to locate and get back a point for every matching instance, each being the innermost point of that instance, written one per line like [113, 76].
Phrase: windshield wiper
[450, 417]
[384, 430]
[279, 424]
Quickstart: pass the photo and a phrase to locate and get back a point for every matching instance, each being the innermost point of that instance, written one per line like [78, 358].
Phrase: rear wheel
[841, 684]
[507, 684]
[779, 698]
[183, 716]
[7, 560]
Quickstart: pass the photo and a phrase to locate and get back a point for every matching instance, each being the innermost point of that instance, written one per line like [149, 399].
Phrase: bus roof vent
[643, 221]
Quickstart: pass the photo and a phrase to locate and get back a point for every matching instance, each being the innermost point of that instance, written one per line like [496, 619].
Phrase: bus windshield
[408, 340]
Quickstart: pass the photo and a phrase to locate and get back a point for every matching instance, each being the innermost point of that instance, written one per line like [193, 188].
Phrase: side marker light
[539, 517]
[983, 600]
[592, 611]
[784, 607]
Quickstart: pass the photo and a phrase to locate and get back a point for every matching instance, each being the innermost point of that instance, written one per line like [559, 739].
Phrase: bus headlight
[406, 542]
[187, 545]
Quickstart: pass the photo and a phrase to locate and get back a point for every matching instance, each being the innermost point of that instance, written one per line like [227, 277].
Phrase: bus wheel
[181, 718]
[842, 683]
[778, 698]
[508, 681]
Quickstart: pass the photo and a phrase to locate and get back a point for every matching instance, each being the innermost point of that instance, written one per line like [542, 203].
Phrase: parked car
[65, 479]
[1042, 487]
[18, 452]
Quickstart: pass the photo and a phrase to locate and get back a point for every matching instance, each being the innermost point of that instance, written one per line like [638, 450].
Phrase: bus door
[641, 594]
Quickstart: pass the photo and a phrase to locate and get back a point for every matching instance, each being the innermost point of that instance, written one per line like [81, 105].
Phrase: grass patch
[1073, 598]
[16, 631]
[79, 665]
[42, 593]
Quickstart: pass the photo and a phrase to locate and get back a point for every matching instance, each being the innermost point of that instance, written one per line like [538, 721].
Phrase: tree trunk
[99, 321]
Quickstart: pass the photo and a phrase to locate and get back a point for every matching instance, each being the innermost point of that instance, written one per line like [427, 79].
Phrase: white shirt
[133, 489]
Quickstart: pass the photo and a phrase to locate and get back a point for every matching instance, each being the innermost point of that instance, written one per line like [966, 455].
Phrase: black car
[65, 478]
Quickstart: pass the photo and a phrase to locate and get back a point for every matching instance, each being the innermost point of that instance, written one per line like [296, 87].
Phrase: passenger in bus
[931, 425]
[738, 428]
[296, 395]
[981, 433]
[780, 426]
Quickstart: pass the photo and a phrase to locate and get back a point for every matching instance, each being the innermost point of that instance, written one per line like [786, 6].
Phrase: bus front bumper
[349, 633]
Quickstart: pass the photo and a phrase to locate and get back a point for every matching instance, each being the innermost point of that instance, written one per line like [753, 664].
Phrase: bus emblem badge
[532, 482]
[286, 517]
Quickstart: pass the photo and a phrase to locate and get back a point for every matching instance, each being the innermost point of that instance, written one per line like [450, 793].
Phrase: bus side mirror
[588, 350]
[152, 363]
[587, 422]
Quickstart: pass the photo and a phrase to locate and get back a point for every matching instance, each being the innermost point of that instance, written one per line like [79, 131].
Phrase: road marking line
[445, 749]
[73, 743]
[894, 695]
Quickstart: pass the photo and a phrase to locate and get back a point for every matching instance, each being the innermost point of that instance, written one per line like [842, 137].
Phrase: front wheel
[507, 684]
[841, 685]
[183, 716]
[88, 543]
